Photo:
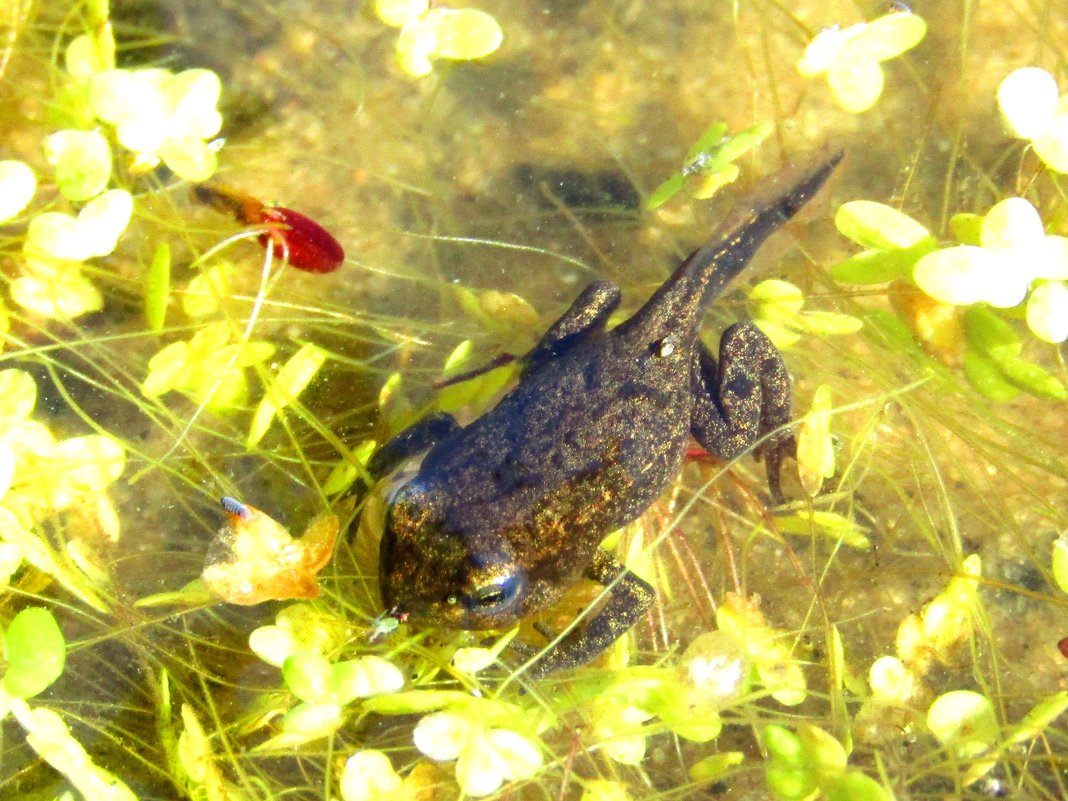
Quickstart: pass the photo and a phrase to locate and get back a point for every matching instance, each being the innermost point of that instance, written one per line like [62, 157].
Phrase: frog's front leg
[743, 398]
[589, 311]
[415, 439]
[628, 599]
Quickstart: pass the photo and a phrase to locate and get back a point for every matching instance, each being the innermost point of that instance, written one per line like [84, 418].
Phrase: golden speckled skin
[506, 514]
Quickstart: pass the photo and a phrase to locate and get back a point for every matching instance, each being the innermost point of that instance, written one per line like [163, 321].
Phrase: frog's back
[590, 436]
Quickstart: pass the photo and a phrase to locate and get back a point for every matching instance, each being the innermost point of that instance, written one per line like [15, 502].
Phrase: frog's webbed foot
[742, 398]
[588, 312]
[416, 438]
[627, 601]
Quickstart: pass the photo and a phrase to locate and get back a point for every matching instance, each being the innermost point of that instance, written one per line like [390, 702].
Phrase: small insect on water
[304, 243]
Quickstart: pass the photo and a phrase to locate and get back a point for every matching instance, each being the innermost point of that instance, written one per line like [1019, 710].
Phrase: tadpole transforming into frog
[507, 513]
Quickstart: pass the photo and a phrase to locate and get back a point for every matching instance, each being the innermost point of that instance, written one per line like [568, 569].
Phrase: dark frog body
[506, 514]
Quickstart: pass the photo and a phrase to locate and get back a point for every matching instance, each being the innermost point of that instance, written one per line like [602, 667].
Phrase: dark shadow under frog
[506, 514]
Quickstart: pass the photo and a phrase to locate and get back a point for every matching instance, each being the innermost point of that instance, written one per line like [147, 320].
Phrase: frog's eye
[498, 593]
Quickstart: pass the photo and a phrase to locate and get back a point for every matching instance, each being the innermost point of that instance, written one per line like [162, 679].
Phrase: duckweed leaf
[158, 287]
[876, 225]
[309, 676]
[855, 786]
[967, 228]
[18, 394]
[1060, 562]
[1027, 98]
[64, 296]
[815, 446]
[35, 652]
[399, 13]
[363, 677]
[463, 33]
[291, 380]
[204, 291]
[18, 184]
[368, 775]
[82, 160]
[964, 721]
[1047, 312]
[189, 158]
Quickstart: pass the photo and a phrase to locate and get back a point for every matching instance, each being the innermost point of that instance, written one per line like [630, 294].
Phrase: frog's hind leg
[589, 312]
[742, 398]
[628, 599]
[416, 438]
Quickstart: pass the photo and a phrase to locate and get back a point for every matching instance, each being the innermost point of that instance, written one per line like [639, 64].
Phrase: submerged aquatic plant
[1034, 110]
[426, 33]
[851, 57]
[1004, 258]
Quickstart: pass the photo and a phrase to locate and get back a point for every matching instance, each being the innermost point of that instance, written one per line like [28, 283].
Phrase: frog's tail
[709, 269]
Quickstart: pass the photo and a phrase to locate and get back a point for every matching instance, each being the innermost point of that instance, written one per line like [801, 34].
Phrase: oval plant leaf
[35, 652]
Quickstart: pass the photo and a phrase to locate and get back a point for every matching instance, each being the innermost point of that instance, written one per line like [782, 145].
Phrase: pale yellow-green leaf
[413, 701]
[831, 525]
[1027, 98]
[158, 287]
[368, 776]
[18, 394]
[191, 97]
[48, 735]
[415, 44]
[1012, 224]
[442, 735]
[343, 473]
[134, 102]
[166, 370]
[313, 720]
[815, 447]
[777, 300]
[190, 158]
[102, 220]
[782, 336]
[1052, 144]
[202, 295]
[889, 36]
[82, 160]
[88, 463]
[824, 754]
[63, 297]
[892, 682]
[223, 394]
[959, 275]
[712, 182]
[399, 13]
[365, 676]
[963, 721]
[823, 51]
[463, 33]
[83, 58]
[876, 225]
[17, 187]
[605, 790]
[856, 83]
[1047, 312]
[10, 561]
[291, 380]
[1059, 563]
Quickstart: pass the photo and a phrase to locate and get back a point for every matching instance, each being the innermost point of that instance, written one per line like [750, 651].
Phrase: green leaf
[855, 786]
[82, 160]
[291, 380]
[462, 33]
[877, 266]
[986, 378]
[158, 287]
[989, 334]
[967, 228]
[309, 676]
[889, 36]
[1031, 378]
[876, 225]
[964, 721]
[834, 526]
[1059, 562]
[709, 140]
[855, 83]
[665, 191]
[17, 187]
[35, 652]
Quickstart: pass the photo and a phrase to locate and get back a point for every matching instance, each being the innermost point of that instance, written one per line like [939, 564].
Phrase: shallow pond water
[474, 204]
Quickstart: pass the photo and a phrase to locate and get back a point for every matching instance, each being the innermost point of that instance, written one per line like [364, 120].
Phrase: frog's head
[434, 574]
